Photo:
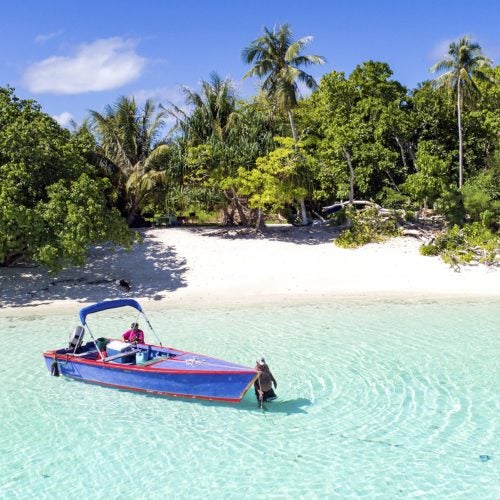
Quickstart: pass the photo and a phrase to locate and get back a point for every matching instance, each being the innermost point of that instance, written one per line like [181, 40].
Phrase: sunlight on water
[388, 399]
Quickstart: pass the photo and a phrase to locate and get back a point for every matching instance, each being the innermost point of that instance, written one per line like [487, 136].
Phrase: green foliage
[128, 138]
[432, 176]
[74, 215]
[277, 58]
[372, 78]
[429, 250]
[450, 204]
[51, 209]
[213, 111]
[464, 245]
[482, 195]
[367, 227]
[360, 124]
[392, 198]
[463, 66]
[361, 136]
[220, 135]
[275, 180]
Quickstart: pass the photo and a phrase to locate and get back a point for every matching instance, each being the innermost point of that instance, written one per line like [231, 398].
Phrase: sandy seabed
[186, 266]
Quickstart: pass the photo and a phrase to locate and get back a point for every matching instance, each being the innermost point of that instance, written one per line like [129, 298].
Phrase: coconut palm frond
[463, 64]
[296, 47]
[276, 58]
[158, 158]
[445, 64]
[126, 136]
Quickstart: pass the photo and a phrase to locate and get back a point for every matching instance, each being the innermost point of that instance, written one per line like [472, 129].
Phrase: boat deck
[161, 358]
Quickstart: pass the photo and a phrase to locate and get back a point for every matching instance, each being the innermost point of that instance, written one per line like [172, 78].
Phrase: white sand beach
[195, 266]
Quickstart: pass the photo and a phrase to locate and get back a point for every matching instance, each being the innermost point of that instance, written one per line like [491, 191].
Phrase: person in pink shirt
[134, 335]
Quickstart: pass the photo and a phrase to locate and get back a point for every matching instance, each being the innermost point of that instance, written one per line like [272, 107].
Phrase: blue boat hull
[146, 367]
[202, 384]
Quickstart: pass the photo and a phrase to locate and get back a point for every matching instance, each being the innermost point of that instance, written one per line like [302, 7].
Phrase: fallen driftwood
[342, 204]
[413, 232]
[425, 235]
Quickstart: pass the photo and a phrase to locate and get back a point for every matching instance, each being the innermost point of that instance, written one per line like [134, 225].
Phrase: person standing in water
[264, 383]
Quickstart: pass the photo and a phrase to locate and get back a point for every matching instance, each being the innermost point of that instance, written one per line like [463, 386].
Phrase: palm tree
[213, 111]
[277, 58]
[463, 63]
[129, 139]
[213, 120]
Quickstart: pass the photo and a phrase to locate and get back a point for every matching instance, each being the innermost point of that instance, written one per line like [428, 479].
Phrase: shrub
[463, 245]
[451, 205]
[367, 227]
[429, 249]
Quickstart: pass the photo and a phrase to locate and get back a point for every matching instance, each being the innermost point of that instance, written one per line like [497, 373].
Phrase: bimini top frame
[112, 304]
[108, 304]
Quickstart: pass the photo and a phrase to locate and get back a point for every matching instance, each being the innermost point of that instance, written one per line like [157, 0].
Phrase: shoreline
[197, 267]
[196, 302]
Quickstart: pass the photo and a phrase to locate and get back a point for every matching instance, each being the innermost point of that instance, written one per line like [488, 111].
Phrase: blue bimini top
[108, 304]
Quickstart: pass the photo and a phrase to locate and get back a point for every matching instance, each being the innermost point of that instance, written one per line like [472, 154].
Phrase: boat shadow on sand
[149, 269]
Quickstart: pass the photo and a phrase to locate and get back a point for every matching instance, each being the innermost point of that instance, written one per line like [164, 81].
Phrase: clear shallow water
[390, 399]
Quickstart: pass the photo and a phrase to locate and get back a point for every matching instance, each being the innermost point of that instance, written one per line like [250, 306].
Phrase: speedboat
[148, 368]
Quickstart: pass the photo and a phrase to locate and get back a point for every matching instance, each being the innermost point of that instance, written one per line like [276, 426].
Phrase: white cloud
[163, 95]
[64, 119]
[48, 36]
[440, 50]
[101, 65]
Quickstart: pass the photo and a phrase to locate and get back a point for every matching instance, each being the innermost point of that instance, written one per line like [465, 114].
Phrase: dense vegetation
[362, 136]
[52, 204]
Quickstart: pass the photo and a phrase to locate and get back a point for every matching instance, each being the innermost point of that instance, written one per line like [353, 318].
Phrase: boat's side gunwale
[150, 369]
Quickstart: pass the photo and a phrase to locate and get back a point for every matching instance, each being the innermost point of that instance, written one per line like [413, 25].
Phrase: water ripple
[376, 399]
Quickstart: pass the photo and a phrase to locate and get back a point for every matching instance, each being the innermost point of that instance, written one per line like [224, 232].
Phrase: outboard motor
[76, 338]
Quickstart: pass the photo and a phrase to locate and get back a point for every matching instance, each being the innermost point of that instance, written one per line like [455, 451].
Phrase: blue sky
[76, 56]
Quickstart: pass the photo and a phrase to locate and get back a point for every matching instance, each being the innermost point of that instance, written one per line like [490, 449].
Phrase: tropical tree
[204, 132]
[273, 182]
[463, 63]
[212, 110]
[52, 206]
[128, 137]
[354, 140]
[218, 134]
[277, 58]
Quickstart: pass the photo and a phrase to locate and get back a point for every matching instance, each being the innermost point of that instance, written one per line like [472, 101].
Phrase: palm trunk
[292, 125]
[132, 214]
[460, 141]
[303, 213]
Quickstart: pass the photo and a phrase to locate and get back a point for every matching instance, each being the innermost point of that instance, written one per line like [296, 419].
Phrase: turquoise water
[377, 399]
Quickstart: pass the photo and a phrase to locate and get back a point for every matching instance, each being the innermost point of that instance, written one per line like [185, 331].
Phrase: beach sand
[194, 266]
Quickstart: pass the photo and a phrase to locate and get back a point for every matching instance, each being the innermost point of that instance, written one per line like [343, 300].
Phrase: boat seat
[121, 354]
